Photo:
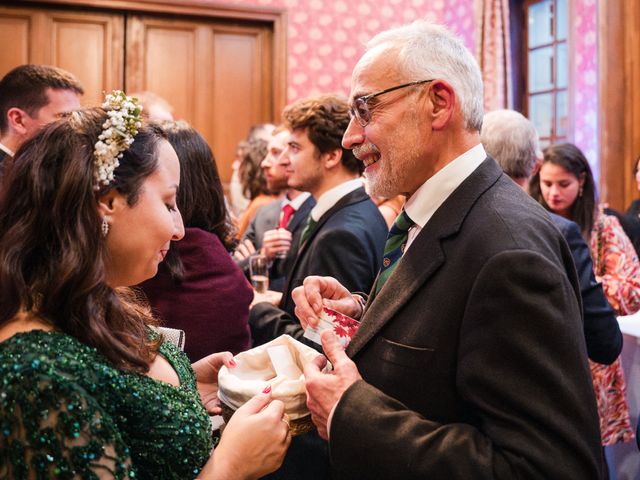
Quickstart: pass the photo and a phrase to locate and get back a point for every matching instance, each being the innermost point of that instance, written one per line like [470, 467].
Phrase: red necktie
[287, 213]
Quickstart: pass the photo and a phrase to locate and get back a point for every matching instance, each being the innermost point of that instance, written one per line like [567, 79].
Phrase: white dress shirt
[427, 199]
[329, 198]
[7, 150]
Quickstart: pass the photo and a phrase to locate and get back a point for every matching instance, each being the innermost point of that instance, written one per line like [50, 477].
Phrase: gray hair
[425, 51]
[512, 140]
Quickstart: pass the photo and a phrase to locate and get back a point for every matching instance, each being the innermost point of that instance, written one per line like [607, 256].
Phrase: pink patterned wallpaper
[585, 79]
[326, 38]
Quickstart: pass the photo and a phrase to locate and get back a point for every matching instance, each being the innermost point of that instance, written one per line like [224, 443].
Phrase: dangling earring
[580, 191]
[105, 226]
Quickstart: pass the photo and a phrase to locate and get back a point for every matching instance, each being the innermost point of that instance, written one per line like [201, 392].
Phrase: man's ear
[443, 99]
[17, 119]
[332, 158]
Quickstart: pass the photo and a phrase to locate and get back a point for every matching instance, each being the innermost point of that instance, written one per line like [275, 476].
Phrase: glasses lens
[362, 111]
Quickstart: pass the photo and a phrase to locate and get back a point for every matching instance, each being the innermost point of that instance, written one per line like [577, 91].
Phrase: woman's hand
[253, 443]
[206, 371]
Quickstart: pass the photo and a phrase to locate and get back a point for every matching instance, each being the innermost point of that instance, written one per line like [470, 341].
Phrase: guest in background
[389, 208]
[254, 185]
[238, 201]
[565, 186]
[30, 97]
[630, 220]
[199, 288]
[512, 140]
[154, 107]
[88, 391]
[276, 228]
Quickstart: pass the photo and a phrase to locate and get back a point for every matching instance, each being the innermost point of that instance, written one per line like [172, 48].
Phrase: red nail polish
[267, 390]
[232, 362]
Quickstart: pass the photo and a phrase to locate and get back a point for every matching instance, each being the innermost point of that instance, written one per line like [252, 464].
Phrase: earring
[580, 191]
[105, 226]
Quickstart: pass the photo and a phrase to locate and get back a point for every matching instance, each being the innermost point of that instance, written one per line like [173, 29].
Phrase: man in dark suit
[346, 232]
[344, 238]
[30, 97]
[276, 228]
[470, 360]
[512, 140]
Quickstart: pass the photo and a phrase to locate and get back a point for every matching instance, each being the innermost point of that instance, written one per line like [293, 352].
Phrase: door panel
[217, 77]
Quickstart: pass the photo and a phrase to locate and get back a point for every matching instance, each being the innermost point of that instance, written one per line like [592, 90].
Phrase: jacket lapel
[301, 214]
[425, 255]
[356, 196]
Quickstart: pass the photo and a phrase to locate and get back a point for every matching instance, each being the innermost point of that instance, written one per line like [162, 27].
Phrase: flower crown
[118, 132]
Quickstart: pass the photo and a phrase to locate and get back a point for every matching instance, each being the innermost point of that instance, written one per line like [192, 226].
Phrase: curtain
[494, 53]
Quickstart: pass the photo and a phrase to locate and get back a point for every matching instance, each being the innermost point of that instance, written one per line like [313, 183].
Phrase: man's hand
[206, 370]
[317, 292]
[276, 241]
[325, 389]
[244, 250]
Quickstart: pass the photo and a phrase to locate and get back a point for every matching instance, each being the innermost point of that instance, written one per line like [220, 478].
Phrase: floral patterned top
[66, 412]
[616, 265]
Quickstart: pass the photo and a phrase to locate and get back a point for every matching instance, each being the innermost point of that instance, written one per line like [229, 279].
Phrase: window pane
[562, 113]
[539, 23]
[562, 67]
[544, 143]
[541, 113]
[540, 77]
[561, 19]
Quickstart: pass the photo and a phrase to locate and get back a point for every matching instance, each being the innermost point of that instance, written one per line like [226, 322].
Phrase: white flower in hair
[118, 132]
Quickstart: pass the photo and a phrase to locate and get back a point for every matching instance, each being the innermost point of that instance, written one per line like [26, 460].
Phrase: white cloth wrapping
[254, 372]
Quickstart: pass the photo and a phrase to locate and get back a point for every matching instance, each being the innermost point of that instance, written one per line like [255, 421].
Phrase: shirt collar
[297, 202]
[432, 193]
[7, 150]
[329, 198]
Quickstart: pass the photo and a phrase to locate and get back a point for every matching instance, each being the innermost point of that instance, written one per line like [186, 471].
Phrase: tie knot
[402, 224]
[287, 209]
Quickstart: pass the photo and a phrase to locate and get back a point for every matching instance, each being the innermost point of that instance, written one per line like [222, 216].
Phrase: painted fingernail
[232, 362]
[267, 390]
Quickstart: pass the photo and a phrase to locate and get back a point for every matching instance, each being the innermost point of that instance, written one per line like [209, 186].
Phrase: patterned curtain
[494, 52]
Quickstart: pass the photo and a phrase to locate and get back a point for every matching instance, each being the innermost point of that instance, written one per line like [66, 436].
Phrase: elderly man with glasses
[470, 361]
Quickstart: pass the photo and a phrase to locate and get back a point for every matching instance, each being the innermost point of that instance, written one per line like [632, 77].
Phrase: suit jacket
[3, 158]
[601, 330]
[630, 222]
[267, 218]
[472, 355]
[347, 244]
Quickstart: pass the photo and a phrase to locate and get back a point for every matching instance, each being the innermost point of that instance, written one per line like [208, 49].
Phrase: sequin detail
[66, 412]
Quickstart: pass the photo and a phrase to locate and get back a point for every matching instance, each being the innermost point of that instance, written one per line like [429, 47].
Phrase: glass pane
[539, 23]
[561, 19]
[562, 67]
[540, 77]
[562, 113]
[541, 113]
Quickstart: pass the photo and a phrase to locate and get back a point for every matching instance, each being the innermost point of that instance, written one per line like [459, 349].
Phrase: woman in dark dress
[199, 288]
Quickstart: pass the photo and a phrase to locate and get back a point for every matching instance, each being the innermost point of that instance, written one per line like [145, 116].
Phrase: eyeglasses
[360, 108]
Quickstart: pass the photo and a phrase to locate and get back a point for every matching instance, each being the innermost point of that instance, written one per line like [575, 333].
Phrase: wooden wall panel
[218, 77]
[619, 99]
[14, 31]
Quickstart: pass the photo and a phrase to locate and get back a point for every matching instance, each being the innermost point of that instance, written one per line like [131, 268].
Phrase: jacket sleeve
[601, 329]
[528, 409]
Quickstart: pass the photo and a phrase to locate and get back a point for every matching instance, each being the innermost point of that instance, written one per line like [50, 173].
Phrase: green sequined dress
[66, 412]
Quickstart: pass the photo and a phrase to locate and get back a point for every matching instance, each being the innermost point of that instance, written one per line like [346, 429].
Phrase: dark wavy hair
[325, 119]
[571, 158]
[201, 195]
[52, 252]
[251, 174]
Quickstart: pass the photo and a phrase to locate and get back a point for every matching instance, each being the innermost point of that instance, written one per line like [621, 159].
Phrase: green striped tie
[311, 225]
[394, 248]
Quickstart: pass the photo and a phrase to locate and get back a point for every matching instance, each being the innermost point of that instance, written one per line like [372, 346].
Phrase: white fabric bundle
[278, 363]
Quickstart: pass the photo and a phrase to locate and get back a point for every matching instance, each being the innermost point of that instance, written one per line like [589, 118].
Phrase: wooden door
[217, 76]
[89, 45]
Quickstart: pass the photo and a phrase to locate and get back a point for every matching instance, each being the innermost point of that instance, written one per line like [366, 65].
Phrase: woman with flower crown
[87, 389]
